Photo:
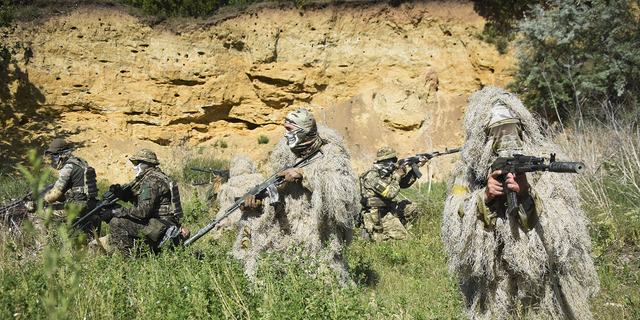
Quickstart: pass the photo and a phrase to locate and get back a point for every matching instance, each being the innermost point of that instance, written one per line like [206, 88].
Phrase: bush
[578, 56]
[262, 139]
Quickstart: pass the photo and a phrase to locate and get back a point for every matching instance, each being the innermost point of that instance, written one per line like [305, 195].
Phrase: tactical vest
[88, 186]
[175, 208]
[370, 201]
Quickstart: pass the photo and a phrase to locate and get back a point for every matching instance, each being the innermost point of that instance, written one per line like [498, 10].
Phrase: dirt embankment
[113, 83]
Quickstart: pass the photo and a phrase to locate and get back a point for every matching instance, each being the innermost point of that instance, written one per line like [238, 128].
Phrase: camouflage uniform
[76, 187]
[156, 208]
[381, 216]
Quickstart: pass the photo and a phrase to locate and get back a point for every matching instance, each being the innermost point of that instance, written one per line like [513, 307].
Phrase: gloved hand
[401, 171]
[250, 203]
[116, 189]
[107, 214]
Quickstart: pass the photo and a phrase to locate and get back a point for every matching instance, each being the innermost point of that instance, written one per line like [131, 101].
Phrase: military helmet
[145, 155]
[57, 145]
[385, 153]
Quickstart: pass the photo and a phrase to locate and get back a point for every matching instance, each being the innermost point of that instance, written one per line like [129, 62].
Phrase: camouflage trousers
[124, 232]
[388, 223]
[59, 214]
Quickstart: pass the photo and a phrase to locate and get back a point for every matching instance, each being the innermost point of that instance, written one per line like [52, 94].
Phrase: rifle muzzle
[571, 167]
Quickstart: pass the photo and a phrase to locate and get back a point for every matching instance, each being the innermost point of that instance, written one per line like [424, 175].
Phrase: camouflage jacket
[374, 186]
[151, 198]
[71, 182]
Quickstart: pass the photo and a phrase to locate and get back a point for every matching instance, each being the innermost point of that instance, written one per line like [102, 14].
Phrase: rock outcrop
[380, 74]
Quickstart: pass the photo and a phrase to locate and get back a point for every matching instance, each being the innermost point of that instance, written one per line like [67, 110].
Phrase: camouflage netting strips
[546, 273]
[318, 223]
[242, 177]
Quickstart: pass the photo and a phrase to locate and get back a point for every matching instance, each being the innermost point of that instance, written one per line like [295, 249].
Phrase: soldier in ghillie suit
[75, 188]
[156, 212]
[383, 218]
[243, 175]
[319, 201]
[536, 263]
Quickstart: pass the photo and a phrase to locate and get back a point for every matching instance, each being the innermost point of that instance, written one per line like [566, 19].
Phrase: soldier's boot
[364, 234]
[102, 244]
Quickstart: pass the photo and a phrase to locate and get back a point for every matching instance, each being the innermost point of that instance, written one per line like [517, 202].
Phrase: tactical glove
[106, 215]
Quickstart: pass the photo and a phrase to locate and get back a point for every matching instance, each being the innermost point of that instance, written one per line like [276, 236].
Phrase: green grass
[402, 279]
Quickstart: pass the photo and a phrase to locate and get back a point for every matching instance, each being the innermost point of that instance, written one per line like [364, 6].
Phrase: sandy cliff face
[380, 75]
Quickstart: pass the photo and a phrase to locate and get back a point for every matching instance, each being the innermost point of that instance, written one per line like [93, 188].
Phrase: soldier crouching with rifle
[381, 217]
[318, 191]
[156, 212]
[75, 187]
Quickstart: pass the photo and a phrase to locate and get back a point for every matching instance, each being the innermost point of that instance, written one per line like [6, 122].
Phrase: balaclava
[302, 139]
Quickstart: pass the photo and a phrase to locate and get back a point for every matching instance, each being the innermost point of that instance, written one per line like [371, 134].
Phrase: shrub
[262, 139]
[577, 56]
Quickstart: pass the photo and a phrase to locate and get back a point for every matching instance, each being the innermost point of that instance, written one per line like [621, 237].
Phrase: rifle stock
[266, 188]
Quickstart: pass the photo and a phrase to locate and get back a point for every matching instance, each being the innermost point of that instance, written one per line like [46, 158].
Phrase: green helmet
[57, 145]
[145, 155]
[385, 153]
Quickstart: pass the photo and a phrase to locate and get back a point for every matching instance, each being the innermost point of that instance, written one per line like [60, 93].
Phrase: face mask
[294, 137]
[59, 159]
[138, 168]
[386, 168]
[506, 137]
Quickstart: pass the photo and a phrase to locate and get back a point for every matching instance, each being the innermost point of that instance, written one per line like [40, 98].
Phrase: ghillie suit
[316, 219]
[515, 266]
[243, 175]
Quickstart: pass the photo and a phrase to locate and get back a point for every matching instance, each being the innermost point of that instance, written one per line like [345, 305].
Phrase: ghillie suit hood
[316, 220]
[507, 271]
[243, 175]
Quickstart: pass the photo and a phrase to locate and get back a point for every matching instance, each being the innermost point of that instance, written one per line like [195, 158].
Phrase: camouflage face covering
[139, 167]
[306, 134]
[505, 128]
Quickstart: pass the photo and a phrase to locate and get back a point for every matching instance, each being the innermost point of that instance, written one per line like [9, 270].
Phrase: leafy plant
[579, 56]
[262, 139]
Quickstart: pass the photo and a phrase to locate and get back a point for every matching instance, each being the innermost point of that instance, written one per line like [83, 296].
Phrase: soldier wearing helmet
[75, 187]
[156, 210]
[381, 216]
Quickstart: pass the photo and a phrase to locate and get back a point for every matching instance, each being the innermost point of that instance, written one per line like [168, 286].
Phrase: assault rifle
[413, 161]
[109, 200]
[520, 164]
[267, 188]
[221, 173]
[19, 206]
